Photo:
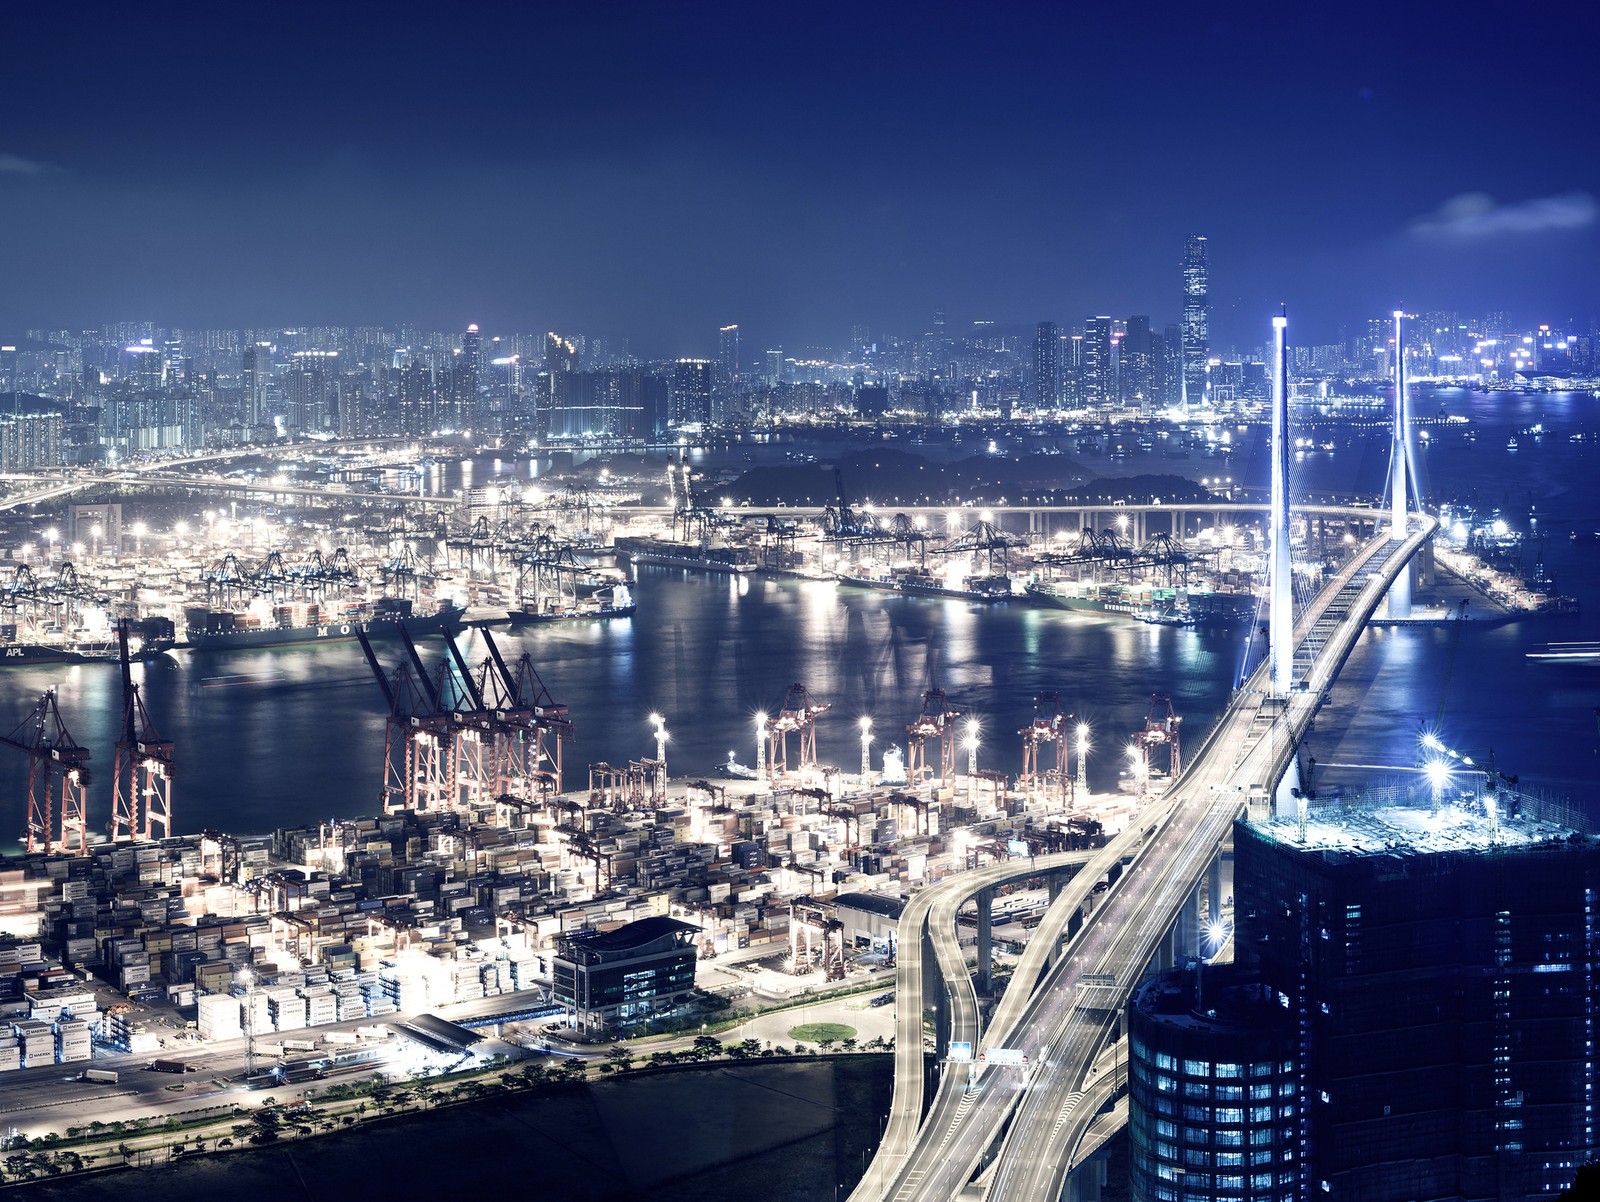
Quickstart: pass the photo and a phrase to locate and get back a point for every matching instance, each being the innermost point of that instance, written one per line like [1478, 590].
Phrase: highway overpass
[1017, 1133]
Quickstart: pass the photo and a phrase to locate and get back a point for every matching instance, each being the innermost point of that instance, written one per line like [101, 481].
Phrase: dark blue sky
[653, 171]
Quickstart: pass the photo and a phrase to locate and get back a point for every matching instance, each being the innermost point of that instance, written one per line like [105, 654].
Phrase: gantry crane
[936, 721]
[1047, 730]
[419, 750]
[1161, 731]
[58, 780]
[142, 772]
[798, 715]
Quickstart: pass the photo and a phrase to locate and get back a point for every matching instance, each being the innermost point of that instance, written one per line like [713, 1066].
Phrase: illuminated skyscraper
[255, 371]
[691, 391]
[1047, 364]
[728, 351]
[1196, 330]
[1136, 375]
[1095, 369]
[469, 370]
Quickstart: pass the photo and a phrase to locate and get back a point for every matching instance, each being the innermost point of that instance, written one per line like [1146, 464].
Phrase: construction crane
[797, 716]
[142, 771]
[58, 780]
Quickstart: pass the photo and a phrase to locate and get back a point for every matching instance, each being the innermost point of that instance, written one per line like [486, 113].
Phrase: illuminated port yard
[956, 603]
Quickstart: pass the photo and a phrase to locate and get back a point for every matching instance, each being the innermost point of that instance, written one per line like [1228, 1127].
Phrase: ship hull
[1199, 609]
[523, 617]
[376, 627]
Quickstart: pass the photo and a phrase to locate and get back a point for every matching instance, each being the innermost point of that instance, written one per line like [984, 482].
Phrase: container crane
[798, 716]
[937, 721]
[1048, 729]
[142, 772]
[58, 772]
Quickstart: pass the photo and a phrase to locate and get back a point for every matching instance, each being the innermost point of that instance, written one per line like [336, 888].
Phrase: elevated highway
[1019, 1133]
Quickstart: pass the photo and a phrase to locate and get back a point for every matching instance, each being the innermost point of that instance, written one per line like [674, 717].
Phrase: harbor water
[295, 735]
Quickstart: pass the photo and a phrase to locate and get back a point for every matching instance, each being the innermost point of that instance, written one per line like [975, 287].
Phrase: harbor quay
[414, 941]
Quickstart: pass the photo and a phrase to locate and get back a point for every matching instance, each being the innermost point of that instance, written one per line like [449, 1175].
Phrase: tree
[620, 1058]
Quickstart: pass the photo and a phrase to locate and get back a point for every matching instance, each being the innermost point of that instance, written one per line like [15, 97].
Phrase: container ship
[147, 638]
[1173, 606]
[660, 552]
[921, 582]
[208, 629]
[611, 601]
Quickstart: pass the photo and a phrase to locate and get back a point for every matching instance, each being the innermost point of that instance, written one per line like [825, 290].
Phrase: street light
[1083, 759]
[247, 977]
[761, 748]
[866, 749]
[971, 744]
[661, 748]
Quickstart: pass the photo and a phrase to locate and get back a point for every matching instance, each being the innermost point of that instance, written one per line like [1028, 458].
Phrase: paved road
[1066, 1021]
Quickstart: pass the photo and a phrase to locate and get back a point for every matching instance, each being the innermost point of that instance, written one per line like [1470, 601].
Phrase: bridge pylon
[1399, 470]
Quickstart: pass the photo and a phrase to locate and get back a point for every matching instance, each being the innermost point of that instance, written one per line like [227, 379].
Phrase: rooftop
[1361, 830]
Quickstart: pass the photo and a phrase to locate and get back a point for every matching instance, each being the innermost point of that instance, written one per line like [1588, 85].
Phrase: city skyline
[656, 172]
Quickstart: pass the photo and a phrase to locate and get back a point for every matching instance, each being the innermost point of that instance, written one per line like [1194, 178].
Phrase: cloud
[15, 164]
[1474, 215]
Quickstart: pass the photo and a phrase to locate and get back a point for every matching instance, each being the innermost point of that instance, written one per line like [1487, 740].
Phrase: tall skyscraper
[255, 370]
[775, 367]
[469, 373]
[1047, 364]
[691, 391]
[1196, 323]
[728, 351]
[1136, 374]
[1439, 964]
[1096, 369]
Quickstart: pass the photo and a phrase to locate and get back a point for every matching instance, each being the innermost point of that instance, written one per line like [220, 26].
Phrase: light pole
[866, 750]
[660, 724]
[1082, 779]
[971, 744]
[761, 748]
[247, 978]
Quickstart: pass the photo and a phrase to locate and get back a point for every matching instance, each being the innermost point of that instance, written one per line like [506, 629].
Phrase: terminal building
[1438, 964]
[622, 977]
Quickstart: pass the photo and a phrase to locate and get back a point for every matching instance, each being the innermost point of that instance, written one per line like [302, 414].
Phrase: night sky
[653, 171]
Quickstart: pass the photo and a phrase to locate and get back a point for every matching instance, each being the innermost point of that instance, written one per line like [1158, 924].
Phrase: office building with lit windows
[1214, 1101]
[622, 977]
[1196, 319]
[1438, 963]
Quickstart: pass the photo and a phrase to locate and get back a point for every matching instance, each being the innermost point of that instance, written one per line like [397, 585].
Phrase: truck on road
[105, 1076]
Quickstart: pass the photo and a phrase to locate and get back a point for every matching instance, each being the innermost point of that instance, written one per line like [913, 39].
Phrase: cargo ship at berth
[208, 629]
[664, 553]
[919, 582]
[612, 601]
[1166, 606]
[147, 638]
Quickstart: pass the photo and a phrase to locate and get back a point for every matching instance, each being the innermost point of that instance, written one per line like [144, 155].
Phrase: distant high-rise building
[728, 351]
[1167, 361]
[775, 367]
[1136, 367]
[1096, 371]
[255, 373]
[691, 391]
[1047, 364]
[469, 374]
[1196, 319]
